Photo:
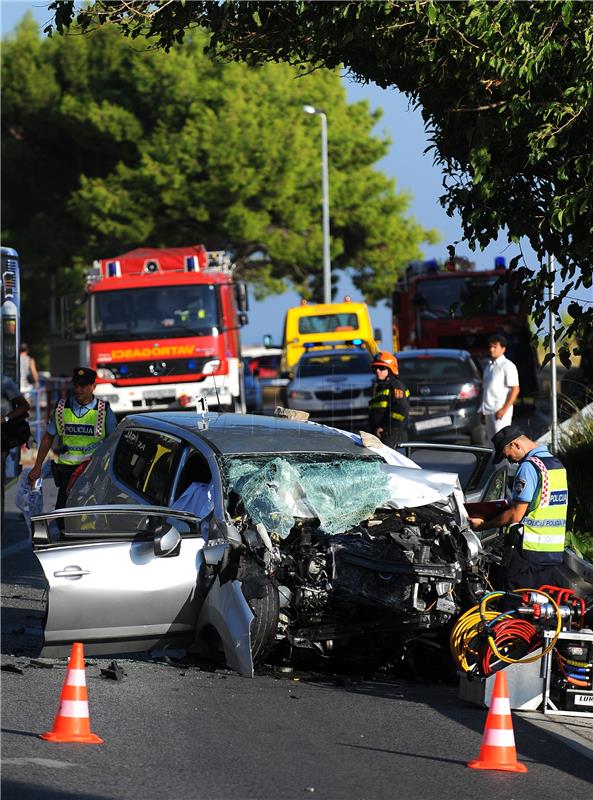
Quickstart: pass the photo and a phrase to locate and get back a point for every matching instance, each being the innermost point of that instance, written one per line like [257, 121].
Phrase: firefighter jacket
[544, 525]
[389, 406]
[80, 435]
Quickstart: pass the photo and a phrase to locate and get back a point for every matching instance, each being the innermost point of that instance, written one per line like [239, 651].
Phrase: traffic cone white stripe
[495, 737]
[500, 705]
[79, 709]
[75, 677]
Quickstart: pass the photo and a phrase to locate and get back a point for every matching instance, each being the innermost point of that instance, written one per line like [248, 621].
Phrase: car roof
[234, 434]
[434, 352]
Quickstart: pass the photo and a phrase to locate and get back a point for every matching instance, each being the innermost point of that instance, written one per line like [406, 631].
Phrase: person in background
[500, 387]
[389, 406]
[83, 422]
[29, 374]
[536, 515]
[14, 409]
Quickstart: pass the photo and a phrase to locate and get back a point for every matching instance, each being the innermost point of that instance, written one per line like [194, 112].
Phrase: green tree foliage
[505, 90]
[108, 146]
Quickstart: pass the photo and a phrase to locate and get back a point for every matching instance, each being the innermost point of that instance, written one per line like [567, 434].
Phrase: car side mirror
[267, 340]
[167, 541]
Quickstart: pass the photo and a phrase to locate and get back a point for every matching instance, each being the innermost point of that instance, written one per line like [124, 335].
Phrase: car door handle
[71, 572]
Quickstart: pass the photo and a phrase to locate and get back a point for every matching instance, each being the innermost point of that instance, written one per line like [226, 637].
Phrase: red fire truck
[428, 311]
[163, 328]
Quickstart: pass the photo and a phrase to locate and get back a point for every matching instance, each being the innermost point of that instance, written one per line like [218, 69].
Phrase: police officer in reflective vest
[82, 421]
[539, 503]
[389, 406]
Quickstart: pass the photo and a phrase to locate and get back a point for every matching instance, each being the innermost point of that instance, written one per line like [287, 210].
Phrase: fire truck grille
[158, 368]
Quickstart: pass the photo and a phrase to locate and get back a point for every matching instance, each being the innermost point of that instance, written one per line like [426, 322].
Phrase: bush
[576, 453]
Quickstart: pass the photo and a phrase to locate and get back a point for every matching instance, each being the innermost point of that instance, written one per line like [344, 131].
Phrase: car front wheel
[262, 596]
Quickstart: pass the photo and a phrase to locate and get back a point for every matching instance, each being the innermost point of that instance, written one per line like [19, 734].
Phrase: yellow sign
[153, 352]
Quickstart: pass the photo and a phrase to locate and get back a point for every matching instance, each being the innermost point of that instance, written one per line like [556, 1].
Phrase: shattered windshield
[340, 493]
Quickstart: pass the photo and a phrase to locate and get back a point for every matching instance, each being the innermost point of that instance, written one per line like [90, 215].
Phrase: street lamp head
[309, 109]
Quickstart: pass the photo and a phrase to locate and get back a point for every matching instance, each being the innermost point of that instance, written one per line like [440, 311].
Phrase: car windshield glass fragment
[276, 491]
[346, 364]
[162, 311]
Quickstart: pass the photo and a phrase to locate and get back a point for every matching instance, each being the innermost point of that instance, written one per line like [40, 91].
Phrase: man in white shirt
[501, 387]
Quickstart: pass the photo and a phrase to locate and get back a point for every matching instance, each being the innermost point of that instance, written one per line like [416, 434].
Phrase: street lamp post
[325, 201]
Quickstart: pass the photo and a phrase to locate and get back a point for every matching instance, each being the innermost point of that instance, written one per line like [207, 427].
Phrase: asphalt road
[178, 731]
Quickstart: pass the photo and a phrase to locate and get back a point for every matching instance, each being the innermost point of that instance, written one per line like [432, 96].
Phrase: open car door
[472, 464]
[121, 578]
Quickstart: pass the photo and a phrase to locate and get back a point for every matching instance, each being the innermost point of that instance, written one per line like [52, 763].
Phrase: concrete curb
[563, 730]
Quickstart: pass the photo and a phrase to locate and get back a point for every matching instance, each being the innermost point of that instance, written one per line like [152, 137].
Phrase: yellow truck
[325, 324]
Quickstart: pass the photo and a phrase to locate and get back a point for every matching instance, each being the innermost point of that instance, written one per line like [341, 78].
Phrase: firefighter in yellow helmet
[389, 406]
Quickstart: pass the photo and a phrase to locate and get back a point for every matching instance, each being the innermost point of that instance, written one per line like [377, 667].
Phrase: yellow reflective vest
[544, 525]
[80, 435]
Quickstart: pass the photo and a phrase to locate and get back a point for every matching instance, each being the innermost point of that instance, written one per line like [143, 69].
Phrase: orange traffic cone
[72, 723]
[498, 743]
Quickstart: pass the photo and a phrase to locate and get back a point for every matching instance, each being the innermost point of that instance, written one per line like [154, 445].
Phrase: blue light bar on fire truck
[192, 264]
[114, 269]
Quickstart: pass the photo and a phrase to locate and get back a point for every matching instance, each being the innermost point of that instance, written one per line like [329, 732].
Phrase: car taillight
[467, 391]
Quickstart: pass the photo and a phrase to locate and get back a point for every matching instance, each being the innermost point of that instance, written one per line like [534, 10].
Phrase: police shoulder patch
[519, 485]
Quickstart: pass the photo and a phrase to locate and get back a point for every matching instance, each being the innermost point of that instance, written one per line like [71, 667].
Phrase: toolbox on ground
[568, 671]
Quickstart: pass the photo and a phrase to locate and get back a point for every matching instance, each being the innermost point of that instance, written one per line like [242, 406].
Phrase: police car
[333, 384]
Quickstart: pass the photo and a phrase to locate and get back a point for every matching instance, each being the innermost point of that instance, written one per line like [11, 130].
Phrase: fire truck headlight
[105, 374]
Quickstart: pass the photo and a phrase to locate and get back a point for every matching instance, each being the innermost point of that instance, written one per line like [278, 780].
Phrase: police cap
[83, 376]
[503, 437]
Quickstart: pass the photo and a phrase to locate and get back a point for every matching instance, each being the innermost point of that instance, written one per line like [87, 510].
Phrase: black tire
[265, 622]
[262, 596]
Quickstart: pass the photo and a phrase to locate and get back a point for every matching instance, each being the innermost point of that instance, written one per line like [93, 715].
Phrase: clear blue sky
[412, 169]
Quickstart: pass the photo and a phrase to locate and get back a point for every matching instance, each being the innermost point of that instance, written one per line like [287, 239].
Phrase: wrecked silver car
[246, 533]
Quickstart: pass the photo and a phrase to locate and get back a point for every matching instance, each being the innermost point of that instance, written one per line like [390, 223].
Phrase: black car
[445, 394]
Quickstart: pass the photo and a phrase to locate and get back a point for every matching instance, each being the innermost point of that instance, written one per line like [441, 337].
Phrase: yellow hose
[473, 623]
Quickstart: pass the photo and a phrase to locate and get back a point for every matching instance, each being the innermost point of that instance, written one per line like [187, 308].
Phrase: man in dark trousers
[536, 515]
[83, 422]
[389, 406]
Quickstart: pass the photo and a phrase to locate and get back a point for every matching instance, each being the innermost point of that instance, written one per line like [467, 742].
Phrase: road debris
[12, 668]
[113, 672]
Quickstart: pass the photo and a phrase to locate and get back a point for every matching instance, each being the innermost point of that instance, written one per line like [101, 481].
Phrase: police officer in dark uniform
[389, 406]
[83, 422]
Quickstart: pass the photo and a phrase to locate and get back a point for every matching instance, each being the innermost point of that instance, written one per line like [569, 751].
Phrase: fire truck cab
[457, 306]
[163, 329]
